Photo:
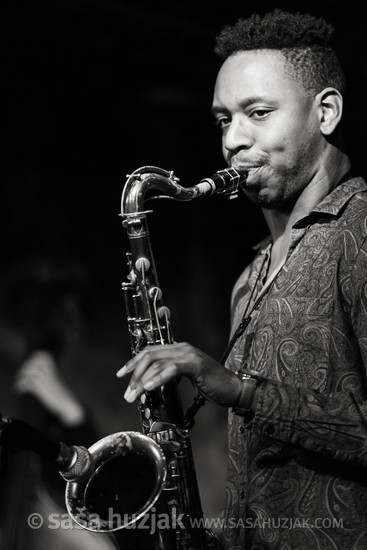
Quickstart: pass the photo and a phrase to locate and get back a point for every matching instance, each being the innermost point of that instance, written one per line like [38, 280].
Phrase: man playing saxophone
[295, 378]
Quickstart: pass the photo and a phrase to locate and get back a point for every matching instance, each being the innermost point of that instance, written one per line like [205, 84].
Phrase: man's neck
[280, 222]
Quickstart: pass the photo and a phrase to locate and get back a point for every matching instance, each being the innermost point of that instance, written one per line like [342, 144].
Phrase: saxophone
[139, 477]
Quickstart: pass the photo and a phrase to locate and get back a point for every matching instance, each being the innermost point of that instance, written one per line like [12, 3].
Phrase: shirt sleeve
[334, 425]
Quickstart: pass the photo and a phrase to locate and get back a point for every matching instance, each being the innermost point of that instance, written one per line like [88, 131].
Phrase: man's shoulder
[347, 192]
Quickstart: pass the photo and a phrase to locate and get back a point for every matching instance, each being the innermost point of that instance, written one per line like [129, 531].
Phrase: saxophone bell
[128, 478]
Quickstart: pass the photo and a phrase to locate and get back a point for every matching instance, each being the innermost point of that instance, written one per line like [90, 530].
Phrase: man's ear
[330, 105]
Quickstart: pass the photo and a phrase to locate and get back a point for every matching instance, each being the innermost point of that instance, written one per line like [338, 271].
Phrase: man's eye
[222, 122]
[260, 113]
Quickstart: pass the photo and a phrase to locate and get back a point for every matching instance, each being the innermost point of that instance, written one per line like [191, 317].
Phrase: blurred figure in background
[44, 313]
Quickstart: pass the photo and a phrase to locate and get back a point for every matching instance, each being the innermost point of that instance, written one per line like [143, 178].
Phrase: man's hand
[155, 365]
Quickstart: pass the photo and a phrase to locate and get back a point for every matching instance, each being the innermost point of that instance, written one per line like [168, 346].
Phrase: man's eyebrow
[217, 109]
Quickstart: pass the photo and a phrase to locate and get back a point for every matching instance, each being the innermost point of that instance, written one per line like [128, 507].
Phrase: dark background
[92, 90]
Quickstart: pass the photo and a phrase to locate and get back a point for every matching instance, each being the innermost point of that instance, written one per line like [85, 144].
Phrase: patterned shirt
[297, 474]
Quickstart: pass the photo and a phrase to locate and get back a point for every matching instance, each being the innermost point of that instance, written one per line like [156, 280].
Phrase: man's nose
[237, 136]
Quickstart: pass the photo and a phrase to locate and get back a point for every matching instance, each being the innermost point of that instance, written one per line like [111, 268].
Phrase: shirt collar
[330, 205]
[333, 202]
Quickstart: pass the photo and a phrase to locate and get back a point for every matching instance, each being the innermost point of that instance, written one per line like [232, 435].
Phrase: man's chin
[252, 194]
[260, 197]
[252, 186]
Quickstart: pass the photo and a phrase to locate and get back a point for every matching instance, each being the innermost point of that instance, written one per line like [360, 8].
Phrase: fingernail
[122, 371]
[149, 385]
[130, 395]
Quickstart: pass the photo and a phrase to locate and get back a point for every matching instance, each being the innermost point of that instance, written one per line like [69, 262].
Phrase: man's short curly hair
[304, 41]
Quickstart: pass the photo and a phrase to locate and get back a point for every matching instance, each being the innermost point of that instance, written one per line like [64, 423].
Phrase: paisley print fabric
[297, 473]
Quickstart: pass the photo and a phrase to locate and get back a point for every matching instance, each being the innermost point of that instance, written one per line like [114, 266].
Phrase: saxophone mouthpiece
[225, 182]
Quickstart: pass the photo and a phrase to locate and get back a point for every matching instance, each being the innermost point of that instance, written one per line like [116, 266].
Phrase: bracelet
[250, 381]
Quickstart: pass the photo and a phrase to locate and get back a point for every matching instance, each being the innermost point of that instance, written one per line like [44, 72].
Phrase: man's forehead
[253, 60]
[254, 73]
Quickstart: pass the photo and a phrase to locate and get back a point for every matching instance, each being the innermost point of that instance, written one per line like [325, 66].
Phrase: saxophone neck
[148, 180]
[159, 183]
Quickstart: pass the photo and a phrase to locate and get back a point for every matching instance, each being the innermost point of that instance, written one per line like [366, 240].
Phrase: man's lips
[251, 181]
[249, 168]
[245, 166]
